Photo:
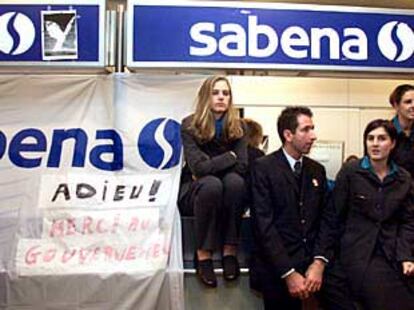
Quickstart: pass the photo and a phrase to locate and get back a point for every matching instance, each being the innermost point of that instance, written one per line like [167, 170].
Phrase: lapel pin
[315, 182]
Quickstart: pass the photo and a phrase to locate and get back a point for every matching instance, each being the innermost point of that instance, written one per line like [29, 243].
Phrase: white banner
[90, 175]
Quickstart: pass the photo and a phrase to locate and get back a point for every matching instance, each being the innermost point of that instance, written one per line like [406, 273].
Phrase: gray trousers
[216, 204]
[385, 288]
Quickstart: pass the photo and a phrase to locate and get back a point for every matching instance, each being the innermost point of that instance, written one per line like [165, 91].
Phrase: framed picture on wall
[330, 154]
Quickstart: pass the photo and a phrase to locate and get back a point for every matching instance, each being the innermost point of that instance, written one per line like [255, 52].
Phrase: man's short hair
[288, 119]
[399, 92]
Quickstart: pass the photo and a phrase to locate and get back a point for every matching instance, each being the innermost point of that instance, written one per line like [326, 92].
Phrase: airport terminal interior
[343, 103]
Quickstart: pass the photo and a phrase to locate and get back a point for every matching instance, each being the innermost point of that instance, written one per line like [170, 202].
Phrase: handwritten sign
[87, 241]
[74, 190]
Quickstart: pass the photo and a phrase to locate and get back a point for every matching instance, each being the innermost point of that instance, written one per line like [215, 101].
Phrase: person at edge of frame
[402, 100]
[374, 199]
[292, 260]
[212, 183]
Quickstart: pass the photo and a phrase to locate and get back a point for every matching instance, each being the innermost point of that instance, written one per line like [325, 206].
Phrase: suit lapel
[286, 170]
[306, 181]
[311, 182]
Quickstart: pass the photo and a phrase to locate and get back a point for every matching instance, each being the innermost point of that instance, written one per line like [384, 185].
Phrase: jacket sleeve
[325, 241]
[263, 216]
[405, 238]
[240, 148]
[340, 200]
[199, 162]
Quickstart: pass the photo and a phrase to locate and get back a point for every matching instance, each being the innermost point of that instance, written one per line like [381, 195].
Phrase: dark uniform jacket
[291, 224]
[252, 154]
[373, 216]
[210, 158]
[404, 151]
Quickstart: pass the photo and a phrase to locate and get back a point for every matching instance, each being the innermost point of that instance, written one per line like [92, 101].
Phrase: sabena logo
[158, 145]
[17, 33]
[395, 41]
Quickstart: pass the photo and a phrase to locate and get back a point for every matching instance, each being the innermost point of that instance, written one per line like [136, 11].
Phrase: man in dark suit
[293, 224]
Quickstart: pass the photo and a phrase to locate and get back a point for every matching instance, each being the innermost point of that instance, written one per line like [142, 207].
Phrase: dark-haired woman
[402, 100]
[212, 186]
[374, 200]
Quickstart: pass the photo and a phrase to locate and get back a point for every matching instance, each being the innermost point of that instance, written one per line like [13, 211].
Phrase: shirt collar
[396, 123]
[366, 164]
[397, 126]
[291, 160]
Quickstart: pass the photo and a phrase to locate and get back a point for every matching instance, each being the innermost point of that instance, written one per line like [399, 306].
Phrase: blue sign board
[53, 33]
[269, 36]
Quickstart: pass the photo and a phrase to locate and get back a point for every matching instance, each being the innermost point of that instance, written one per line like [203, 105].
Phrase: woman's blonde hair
[203, 122]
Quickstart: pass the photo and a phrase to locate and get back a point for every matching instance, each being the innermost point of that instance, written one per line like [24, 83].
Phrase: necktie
[297, 169]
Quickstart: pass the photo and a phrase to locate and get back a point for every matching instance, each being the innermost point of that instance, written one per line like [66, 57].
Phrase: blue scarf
[219, 127]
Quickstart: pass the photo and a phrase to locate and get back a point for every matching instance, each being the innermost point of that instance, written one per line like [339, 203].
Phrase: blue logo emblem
[396, 41]
[159, 143]
[17, 33]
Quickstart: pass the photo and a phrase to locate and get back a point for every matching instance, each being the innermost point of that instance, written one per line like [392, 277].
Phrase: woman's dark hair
[398, 93]
[389, 129]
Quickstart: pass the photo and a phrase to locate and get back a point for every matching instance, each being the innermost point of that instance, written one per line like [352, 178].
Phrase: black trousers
[385, 288]
[216, 204]
[334, 294]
